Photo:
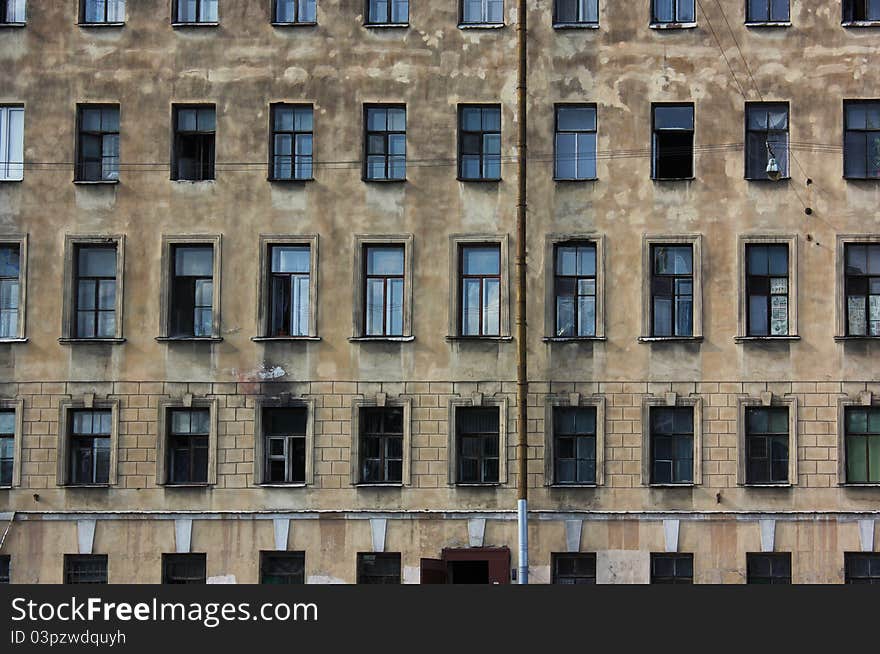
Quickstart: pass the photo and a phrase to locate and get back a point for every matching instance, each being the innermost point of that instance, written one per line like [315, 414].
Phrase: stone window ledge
[96, 182]
[861, 23]
[113, 24]
[283, 339]
[76, 341]
[189, 339]
[688, 484]
[2, 25]
[769, 23]
[670, 339]
[556, 485]
[785, 484]
[572, 339]
[840, 339]
[478, 338]
[750, 339]
[363, 485]
[13, 340]
[197, 24]
[480, 26]
[298, 484]
[381, 339]
[386, 25]
[672, 26]
[575, 26]
[294, 24]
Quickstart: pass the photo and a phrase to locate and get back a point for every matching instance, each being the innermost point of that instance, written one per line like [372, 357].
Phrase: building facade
[257, 309]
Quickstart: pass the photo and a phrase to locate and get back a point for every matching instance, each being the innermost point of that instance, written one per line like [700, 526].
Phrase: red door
[433, 571]
[498, 559]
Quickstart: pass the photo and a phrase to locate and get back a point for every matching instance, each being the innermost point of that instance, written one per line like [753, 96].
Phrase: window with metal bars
[577, 568]
[378, 568]
[196, 11]
[12, 12]
[479, 142]
[290, 285]
[862, 444]
[672, 568]
[381, 445]
[765, 568]
[861, 11]
[98, 143]
[482, 12]
[11, 143]
[282, 567]
[575, 151]
[10, 289]
[184, 568]
[862, 288]
[861, 143]
[861, 567]
[673, 141]
[95, 294]
[7, 447]
[194, 139]
[85, 568]
[383, 290]
[575, 284]
[102, 12]
[90, 447]
[672, 290]
[575, 12]
[477, 433]
[5, 565]
[574, 447]
[480, 270]
[767, 440]
[767, 285]
[188, 434]
[385, 143]
[767, 11]
[192, 291]
[672, 445]
[387, 12]
[295, 12]
[284, 431]
[766, 125]
[292, 142]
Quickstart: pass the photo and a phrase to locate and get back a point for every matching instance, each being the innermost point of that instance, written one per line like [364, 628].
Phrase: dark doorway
[468, 572]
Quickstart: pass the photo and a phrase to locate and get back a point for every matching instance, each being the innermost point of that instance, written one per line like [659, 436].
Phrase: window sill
[2, 25]
[96, 182]
[670, 339]
[85, 485]
[686, 484]
[769, 23]
[384, 25]
[114, 24]
[198, 485]
[381, 339]
[861, 23]
[76, 341]
[294, 484]
[281, 339]
[672, 26]
[561, 485]
[368, 180]
[575, 26]
[749, 339]
[490, 484]
[294, 24]
[289, 180]
[572, 339]
[7, 180]
[861, 179]
[180, 180]
[840, 339]
[673, 179]
[479, 338]
[568, 180]
[480, 26]
[859, 484]
[198, 24]
[479, 180]
[363, 484]
[189, 339]
[13, 340]
[781, 484]
[767, 180]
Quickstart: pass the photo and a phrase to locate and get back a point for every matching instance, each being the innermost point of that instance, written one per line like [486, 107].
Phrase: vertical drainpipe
[522, 384]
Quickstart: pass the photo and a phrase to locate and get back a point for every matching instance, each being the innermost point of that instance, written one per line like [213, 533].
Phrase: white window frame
[11, 171]
[16, 405]
[21, 240]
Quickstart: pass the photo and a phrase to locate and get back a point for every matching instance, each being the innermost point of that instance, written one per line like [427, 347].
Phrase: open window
[673, 142]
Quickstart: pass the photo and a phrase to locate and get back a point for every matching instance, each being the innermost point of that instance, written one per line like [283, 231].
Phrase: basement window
[673, 142]
[862, 567]
[378, 568]
[184, 569]
[387, 12]
[85, 568]
[12, 12]
[672, 568]
[767, 11]
[102, 12]
[576, 568]
[768, 568]
[295, 12]
[194, 137]
[861, 11]
[194, 12]
[284, 431]
[282, 568]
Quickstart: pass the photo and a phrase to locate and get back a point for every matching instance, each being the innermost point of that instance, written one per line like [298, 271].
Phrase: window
[571, 569]
[384, 290]
[569, 13]
[11, 143]
[479, 142]
[5, 561]
[378, 568]
[672, 290]
[284, 431]
[295, 12]
[381, 445]
[12, 12]
[672, 445]
[194, 136]
[7, 447]
[862, 568]
[672, 568]
[292, 137]
[480, 267]
[862, 286]
[767, 11]
[482, 12]
[98, 145]
[282, 567]
[861, 146]
[767, 445]
[575, 283]
[97, 12]
[192, 291]
[673, 143]
[196, 11]
[385, 141]
[478, 448]
[188, 436]
[95, 295]
[673, 11]
[90, 433]
[862, 444]
[861, 10]
[574, 430]
[575, 142]
[766, 132]
[85, 568]
[767, 289]
[290, 288]
[10, 290]
[183, 569]
[768, 568]
[387, 12]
